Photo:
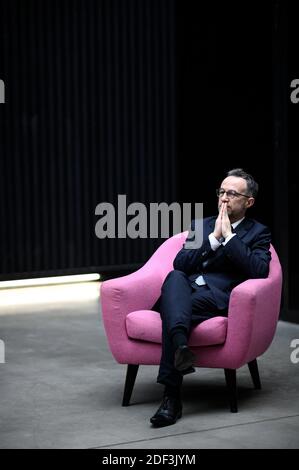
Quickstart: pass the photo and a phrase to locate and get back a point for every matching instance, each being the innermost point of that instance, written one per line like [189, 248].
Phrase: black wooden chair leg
[231, 383]
[132, 370]
[254, 372]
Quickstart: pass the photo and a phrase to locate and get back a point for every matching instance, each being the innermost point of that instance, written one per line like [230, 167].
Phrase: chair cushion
[146, 325]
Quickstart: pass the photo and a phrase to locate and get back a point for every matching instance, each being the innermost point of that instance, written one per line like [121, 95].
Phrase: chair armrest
[137, 291]
[141, 289]
[253, 314]
[119, 297]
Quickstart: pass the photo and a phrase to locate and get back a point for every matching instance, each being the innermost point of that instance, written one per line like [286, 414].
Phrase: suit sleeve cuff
[228, 238]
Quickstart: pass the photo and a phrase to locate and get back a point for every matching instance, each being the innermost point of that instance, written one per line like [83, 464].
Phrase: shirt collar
[234, 225]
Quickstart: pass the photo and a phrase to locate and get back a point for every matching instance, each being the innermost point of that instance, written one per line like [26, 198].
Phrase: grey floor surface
[61, 388]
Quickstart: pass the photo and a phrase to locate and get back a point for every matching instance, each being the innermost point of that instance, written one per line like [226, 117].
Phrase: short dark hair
[252, 186]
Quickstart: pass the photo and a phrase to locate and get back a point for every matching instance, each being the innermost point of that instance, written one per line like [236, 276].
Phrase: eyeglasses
[231, 194]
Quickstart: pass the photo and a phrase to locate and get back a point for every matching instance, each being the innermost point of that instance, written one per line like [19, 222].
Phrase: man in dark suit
[234, 248]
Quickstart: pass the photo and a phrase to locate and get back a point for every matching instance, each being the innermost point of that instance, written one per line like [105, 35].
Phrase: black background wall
[89, 114]
[155, 99]
[291, 186]
[225, 98]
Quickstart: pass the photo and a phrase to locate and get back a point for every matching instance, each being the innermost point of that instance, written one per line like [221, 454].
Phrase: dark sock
[171, 391]
[179, 338]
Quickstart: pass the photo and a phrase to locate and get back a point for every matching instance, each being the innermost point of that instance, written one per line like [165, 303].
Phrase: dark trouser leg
[204, 306]
[176, 302]
[168, 374]
[175, 307]
[180, 306]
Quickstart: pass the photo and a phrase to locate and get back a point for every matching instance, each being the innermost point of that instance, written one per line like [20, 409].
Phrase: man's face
[237, 206]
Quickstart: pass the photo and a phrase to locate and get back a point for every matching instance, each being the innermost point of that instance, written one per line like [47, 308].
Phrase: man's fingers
[219, 214]
[225, 209]
[221, 210]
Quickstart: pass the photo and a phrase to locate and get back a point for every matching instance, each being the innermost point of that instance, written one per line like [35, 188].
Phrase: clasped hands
[222, 225]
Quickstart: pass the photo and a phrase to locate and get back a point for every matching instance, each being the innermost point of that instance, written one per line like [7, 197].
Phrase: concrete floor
[61, 388]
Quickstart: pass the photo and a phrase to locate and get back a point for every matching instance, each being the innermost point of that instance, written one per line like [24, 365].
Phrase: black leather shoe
[168, 412]
[184, 360]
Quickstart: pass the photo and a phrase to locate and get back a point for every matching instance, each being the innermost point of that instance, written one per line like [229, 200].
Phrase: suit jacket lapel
[240, 230]
[243, 227]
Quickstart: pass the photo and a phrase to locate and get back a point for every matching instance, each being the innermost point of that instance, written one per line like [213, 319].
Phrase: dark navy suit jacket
[245, 256]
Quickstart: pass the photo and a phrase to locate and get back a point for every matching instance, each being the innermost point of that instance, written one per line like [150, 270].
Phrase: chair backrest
[167, 251]
[275, 276]
[164, 255]
[275, 271]
[274, 298]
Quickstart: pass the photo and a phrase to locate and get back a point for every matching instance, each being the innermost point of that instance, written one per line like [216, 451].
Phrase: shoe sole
[162, 423]
[190, 370]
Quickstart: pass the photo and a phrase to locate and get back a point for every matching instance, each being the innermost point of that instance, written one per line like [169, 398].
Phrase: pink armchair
[134, 331]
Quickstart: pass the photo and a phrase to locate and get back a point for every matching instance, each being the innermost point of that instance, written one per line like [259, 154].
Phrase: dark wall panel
[225, 102]
[292, 37]
[89, 114]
